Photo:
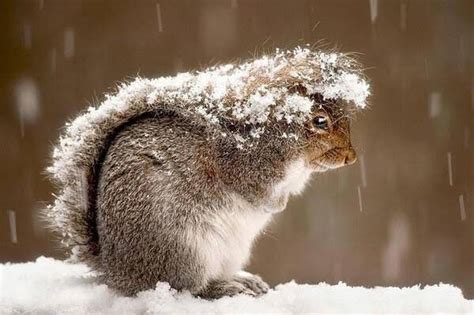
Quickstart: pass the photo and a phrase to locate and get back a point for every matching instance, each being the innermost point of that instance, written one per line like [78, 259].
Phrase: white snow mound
[50, 286]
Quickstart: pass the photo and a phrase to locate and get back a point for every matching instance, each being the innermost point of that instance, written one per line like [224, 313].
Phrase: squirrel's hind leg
[242, 283]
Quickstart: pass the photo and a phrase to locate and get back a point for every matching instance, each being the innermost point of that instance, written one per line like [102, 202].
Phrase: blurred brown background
[402, 215]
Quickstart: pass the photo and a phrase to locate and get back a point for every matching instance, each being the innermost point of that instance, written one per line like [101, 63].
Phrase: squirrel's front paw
[220, 288]
[252, 282]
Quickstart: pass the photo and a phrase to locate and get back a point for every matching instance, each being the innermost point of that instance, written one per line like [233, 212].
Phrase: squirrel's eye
[320, 122]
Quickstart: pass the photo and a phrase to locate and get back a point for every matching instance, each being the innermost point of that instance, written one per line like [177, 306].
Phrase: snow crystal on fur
[248, 92]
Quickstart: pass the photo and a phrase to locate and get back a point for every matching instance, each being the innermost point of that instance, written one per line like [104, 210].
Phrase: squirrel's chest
[224, 246]
[224, 242]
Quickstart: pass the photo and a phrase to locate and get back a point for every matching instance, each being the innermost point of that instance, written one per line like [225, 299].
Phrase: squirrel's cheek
[312, 155]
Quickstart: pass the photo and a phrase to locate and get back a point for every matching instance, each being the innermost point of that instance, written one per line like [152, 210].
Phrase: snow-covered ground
[55, 287]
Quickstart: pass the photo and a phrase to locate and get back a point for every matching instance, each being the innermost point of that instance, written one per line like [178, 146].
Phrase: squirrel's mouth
[320, 165]
[333, 159]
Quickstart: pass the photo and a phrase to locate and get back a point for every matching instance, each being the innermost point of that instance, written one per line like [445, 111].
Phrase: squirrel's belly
[224, 246]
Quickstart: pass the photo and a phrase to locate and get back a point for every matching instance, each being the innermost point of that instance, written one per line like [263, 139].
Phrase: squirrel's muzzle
[351, 156]
[335, 158]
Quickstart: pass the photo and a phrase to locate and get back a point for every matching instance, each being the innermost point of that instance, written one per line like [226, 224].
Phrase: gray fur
[162, 175]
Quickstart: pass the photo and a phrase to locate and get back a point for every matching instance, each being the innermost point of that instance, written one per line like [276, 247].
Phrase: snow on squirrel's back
[55, 287]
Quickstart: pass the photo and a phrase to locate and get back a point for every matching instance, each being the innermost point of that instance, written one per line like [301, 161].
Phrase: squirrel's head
[324, 138]
[327, 137]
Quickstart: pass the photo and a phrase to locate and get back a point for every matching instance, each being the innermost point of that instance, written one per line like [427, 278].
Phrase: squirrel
[172, 179]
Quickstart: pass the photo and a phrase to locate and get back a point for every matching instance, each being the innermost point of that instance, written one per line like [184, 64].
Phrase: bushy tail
[75, 165]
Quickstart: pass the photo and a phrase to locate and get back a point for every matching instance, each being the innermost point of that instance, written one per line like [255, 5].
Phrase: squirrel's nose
[350, 157]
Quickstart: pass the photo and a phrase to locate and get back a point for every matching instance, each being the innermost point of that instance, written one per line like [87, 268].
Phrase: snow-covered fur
[167, 162]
